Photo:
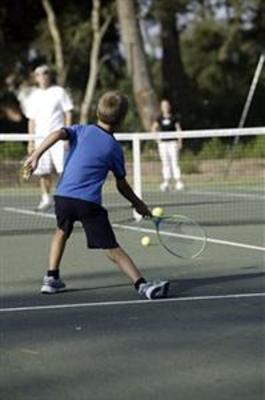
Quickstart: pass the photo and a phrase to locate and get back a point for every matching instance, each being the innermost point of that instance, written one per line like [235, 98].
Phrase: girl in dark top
[169, 148]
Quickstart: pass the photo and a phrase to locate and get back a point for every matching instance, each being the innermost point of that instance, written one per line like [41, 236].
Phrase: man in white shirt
[48, 109]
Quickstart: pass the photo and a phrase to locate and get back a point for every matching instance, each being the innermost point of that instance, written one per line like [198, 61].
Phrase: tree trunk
[175, 82]
[144, 95]
[98, 33]
[57, 42]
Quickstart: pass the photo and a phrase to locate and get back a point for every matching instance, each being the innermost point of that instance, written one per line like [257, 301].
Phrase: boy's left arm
[126, 191]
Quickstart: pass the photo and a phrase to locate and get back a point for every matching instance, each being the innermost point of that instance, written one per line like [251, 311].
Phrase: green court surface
[99, 340]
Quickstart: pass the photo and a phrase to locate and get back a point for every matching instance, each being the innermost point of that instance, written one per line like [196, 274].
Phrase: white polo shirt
[47, 107]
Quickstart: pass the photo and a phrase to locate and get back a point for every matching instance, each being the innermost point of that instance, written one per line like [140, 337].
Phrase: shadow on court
[216, 285]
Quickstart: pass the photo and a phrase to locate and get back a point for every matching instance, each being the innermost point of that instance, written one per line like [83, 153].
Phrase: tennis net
[221, 184]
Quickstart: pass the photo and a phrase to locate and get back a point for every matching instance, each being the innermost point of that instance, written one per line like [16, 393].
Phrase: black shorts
[93, 217]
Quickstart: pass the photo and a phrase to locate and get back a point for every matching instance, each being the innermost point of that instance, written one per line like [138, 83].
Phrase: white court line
[29, 212]
[132, 302]
[209, 240]
[229, 194]
[142, 230]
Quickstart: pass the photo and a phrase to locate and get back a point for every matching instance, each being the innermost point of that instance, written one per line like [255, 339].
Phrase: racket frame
[159, 220]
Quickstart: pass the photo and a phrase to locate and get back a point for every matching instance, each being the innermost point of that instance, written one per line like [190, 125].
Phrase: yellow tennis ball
[157, 212]
[145, 241]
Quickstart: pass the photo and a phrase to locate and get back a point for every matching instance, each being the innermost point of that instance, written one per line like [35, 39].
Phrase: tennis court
[99, 340]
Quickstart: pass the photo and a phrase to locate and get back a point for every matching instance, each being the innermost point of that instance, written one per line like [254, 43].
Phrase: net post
[137, 175]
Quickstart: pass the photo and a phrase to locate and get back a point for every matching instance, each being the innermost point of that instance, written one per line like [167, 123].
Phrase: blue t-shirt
[93, 153]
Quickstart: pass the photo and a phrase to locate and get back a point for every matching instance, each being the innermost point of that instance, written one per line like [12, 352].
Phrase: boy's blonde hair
[112, 107]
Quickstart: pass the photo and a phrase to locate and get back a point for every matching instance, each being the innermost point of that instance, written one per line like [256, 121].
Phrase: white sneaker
[154, 290]
[44, 204]
[179, 185]
[164, 187]
[51, 285]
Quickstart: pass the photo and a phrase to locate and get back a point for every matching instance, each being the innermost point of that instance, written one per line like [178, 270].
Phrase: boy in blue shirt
[93, 153]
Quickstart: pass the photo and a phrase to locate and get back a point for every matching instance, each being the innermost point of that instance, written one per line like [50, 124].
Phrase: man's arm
[67, 118]
[67, 122]
[32, 162]
[126, 191]
[31, 131]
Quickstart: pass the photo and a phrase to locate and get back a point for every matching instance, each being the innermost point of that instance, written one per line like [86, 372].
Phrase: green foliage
[255, 148]
[75, 29]
[221, 42]
[217, 148]
[189, 163]
[220, 55]
[108, 81]
[213, 149]
[12, 151]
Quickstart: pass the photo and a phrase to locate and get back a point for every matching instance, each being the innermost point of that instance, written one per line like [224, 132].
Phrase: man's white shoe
[164, 187]
[44, 204]
[154, 290]
[179, 185]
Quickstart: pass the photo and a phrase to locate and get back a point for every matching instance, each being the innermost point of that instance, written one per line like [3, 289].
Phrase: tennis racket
[180, 236]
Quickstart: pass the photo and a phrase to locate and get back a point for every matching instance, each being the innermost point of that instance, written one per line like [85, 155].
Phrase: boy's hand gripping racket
[180, 235]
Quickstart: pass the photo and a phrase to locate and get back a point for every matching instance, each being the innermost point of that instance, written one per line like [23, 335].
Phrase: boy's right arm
[126, 191]
[32, 161]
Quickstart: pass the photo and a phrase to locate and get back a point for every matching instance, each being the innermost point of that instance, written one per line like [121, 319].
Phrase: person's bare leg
[57, 249]
[150, 290]
[45, 185]
[51, 282]
[125, 263]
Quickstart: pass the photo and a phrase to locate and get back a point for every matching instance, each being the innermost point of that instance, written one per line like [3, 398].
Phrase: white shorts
[51, 159]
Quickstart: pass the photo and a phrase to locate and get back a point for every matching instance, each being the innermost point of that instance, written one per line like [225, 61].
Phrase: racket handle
[25, 174]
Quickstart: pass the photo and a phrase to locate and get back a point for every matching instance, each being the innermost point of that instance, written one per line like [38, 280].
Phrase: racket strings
[181, 236]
